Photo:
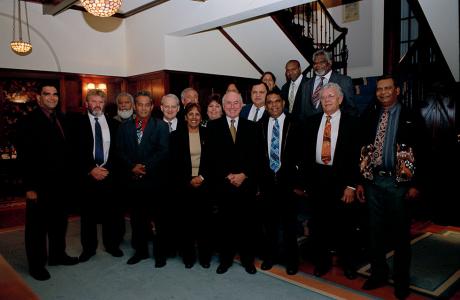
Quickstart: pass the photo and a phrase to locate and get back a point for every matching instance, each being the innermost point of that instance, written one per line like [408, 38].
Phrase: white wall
[443, 18]
[69, 42]
[364, 39]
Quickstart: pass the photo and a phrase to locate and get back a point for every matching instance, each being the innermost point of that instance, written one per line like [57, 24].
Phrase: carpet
[106, 277]
[435, 263]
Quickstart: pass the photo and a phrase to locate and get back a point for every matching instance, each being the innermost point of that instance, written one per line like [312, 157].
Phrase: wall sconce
[19, 46]
[101, 8]
[99, 86]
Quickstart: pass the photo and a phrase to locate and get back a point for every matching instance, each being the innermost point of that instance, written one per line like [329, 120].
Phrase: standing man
[278, 134]
[256, 110]
[330, 176]
[292, 90]
[170, 107]
[392, 165]
[231, 169]
[125, 107]
[142, 145]
[322, 65]
[46, 162]
[96, 163]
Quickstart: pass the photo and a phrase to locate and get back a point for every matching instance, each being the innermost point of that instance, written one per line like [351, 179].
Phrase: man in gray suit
[322, 65]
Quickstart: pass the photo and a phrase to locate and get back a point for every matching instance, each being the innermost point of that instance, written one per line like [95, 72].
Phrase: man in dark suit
[255, 111]
[278, 137]
[95, 145]
[322, 65]
[392, 168]
[45, 158]
[231, 169]
[330, 168]
[292, 90]
[142, 145]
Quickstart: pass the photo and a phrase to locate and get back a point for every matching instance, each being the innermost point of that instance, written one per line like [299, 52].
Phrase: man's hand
[196, 181]
[348, 195]
[31, 196]
[412, 194]
[139, 170]
[236, 179]
[360, 193]
[99, 173]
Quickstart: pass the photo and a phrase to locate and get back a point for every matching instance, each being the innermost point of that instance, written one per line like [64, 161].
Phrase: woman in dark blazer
[188, 146]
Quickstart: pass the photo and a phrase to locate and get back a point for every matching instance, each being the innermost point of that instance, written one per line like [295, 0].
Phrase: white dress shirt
[105, 135]
[253, 110]
[335, 122]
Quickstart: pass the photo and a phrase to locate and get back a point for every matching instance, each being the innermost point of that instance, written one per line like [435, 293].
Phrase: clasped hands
[139, 170]
[236, 179]
[99, 173]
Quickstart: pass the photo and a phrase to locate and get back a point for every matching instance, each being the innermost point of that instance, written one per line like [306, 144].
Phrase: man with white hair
[170, 107]
[125, 107]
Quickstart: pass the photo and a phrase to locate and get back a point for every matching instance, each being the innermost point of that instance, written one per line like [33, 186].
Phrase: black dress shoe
[188, 265]
[401, 293]
[222, 268]
[40, 274]
[250, 269]
[137, 258]
[292, 270]
[373, 283]
[205, 265]
[350, 274]
[85, 256]
[115, 252]
[64, 260]
[160, 263]
[320, 271]
[266, 265]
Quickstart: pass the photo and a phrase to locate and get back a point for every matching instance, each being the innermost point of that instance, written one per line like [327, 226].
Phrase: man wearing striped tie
[278, 137]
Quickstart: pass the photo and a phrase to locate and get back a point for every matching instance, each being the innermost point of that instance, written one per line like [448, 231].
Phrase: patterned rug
[435, 268]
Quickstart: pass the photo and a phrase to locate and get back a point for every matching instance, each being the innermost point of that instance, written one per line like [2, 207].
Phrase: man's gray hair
[130, 97]
[335, 86]
[326, 54]
[182, 95]
[172, 96]
[239, 97]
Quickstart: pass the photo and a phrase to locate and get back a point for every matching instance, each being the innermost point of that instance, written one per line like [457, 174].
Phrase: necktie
[326, 148]
[255, 115]
[98, 146]
[380, 139]
[170, 126]
[275, 148]
[291, 97]
[139, 131]
[233, 130]
[315, 98]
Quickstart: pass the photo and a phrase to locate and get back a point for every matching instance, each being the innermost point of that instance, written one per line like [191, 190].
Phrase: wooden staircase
[310, 27]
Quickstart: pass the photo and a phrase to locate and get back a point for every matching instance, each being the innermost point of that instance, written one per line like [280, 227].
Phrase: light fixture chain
[27, 20]
[14, 20]
[19, 20]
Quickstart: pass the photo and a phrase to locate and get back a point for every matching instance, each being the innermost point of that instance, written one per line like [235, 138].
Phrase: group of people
[237, 170]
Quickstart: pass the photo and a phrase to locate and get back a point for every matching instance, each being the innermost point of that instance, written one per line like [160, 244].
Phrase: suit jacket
[152, 151]
[44, 153]
[224, 157]
[306, 108]
[411, 133]
[180, 154]
[300, 98]
[246, 110]
[289, 142]
[84, 145]
[346, 155]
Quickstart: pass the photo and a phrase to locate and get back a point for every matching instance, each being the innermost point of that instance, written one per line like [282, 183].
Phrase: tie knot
[328, 118]
[96, 118]
[232, 121]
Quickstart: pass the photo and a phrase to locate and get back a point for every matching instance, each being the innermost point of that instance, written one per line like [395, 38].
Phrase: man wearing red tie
[329, 168]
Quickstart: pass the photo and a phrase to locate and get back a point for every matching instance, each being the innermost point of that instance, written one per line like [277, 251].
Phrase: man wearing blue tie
[279, 210]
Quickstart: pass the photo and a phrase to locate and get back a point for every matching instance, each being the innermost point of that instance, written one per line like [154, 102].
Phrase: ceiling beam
[51, 9]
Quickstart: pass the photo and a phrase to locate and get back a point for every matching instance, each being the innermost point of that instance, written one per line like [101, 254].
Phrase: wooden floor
[12, 214]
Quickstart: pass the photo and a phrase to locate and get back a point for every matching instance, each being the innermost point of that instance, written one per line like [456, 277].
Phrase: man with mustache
[125, 107]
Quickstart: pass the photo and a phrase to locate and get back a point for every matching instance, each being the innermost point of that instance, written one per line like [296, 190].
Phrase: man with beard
[322, 65]
[125, 106]
[96, 158]
[292, 90]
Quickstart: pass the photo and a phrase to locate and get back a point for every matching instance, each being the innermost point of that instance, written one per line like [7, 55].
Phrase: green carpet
[106, 277]
[435, 266]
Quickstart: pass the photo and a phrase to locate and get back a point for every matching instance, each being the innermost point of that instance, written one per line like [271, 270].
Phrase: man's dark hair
[389, 76]
[143, 93]
[274, 93]
[42, 84]
[259, 83]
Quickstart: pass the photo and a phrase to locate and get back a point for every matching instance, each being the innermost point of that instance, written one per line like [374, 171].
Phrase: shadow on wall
[101, 24]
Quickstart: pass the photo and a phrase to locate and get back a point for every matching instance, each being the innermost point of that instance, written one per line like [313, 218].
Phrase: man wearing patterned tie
[255, 111]
[322, 66]
[329, 169]
[278, 139]
[170, 107]
[292, 90]
[95, 153]
[392, 166]
[142, 145]
[230, 166]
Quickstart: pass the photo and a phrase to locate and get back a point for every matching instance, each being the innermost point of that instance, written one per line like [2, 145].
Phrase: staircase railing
[310, 27]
